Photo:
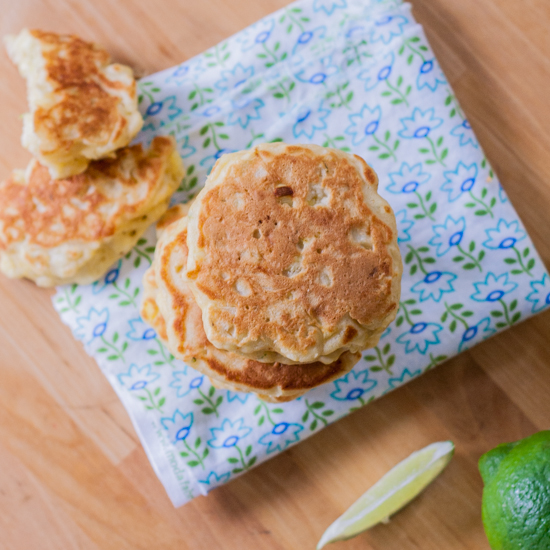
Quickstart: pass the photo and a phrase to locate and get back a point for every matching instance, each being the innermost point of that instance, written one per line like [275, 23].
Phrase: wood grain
[72, 472]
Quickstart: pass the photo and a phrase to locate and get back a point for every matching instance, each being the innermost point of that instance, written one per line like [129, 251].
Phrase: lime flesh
[391, 493]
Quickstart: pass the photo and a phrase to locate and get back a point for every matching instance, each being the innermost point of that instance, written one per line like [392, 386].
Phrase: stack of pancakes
[86, 197]
[283, 270]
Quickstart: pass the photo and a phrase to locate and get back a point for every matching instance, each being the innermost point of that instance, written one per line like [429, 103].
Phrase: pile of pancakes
[86, 197]
[284, 268]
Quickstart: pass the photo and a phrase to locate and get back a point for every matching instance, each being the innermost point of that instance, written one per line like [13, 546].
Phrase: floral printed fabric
[351, 74]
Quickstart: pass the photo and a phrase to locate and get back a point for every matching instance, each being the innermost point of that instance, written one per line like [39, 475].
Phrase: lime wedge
[396, 489]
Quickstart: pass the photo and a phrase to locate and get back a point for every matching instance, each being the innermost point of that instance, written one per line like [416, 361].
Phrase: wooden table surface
[72, 472]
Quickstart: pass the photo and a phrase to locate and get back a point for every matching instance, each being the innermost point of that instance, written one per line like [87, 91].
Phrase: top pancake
[293, 255]
[82, 107]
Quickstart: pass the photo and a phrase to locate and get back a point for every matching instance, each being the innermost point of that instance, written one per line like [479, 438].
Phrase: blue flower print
[238, 75]
[420, 336]
[448, 235]
[178, 426]
[475, 334]
[213, 479]
[259, 33]
[229, 434]
[306, 37]
[465, 134]
[493, 288]
[430, 75]
[180, 72]
[239, 396]
[363, 124]
[140, 331]
[245, 110]
[420, 124]
[187, 72]
[405, 377]
[318, 71]
[308, 120]
[458, 181]
[168, 105]
[379, 71]
[137, 378]
[404, 225]
[185, 149]
[387, 27]
[540, 297]
[108, 279]
[434, 285]
[92, 326]
[181, 383]
[281, 436]
[329, 6]
[407, 179]
[210, 111]
[353, 386]
[504, 236]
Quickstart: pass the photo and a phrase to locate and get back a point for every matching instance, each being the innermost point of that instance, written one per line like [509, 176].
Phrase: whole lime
[516, 496]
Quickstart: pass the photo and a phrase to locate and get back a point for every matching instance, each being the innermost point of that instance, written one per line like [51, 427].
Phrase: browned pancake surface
[289, 248]
[86, 106]
[87, 207]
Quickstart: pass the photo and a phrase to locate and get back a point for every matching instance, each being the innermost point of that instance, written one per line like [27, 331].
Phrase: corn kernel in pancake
[71, 232]
[170, 308]
[293, 255]
[81, 106]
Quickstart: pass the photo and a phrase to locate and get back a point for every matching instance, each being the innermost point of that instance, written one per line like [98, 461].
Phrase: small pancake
[293, 254]
[71, 232]
[170, 308]
[81, 106]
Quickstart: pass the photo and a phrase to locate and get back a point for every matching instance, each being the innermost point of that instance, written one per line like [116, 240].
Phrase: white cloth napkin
[351, 74]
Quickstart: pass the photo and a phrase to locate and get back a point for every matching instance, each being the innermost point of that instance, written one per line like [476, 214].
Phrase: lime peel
[393, 491]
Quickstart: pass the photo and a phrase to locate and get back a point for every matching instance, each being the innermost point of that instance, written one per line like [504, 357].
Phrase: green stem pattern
[130, 298]
[485, 206]
[406, 313]
[245, 467]
[143, 255]
[382, 363]
[520, 260]
[414, 50]
[152, 401]
[295, 21]
[434, 151]
[398, 92]
[424, 209]
[314, 414]
[388, 149]
[264, 406]
[70, 303]
[269, 52]
[167, 359]
[455, 316]
[197, 457]
[468, 255]
[506, 315]
[418, 259]
[114, 348]
[212, 404]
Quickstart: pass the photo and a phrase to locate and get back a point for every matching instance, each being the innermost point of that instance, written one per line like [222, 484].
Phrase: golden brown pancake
[81, 106]
[169, 307]
[73, 230]
[293, 254]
